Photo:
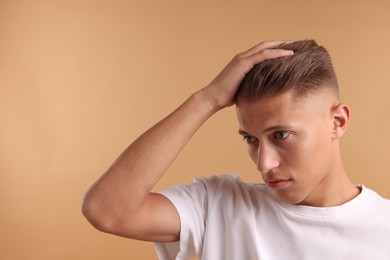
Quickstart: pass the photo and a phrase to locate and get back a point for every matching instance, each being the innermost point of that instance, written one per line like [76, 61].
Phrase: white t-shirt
[223, 217]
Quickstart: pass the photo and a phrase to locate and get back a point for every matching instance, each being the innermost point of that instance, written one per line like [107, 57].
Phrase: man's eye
[249, 139]
[279, 135]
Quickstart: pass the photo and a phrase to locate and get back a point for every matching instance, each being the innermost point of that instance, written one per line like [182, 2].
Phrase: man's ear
[341, 116]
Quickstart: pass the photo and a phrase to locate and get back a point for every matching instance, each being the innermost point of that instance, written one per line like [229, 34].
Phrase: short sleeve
[193, 202]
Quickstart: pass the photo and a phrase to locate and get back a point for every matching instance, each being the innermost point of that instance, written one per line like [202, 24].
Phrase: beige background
[79, 80]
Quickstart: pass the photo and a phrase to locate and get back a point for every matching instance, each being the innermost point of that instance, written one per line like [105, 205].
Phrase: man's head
[289, 114]
[307, 71]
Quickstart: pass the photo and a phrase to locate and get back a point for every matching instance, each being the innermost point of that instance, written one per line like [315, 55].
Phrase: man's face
[291, 143]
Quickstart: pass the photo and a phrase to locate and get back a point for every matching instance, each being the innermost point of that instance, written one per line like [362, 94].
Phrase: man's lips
[278, 184]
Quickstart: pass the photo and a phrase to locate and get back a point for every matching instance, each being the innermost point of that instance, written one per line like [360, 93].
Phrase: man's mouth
[278, 184]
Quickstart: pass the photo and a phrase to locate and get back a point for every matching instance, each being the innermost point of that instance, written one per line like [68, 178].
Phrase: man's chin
[288, 197]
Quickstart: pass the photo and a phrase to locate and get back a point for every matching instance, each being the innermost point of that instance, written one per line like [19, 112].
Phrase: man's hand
[223, 88]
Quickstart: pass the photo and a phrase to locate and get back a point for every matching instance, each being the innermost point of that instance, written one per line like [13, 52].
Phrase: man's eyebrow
[242, 132]
[269, 129]
[276, 127]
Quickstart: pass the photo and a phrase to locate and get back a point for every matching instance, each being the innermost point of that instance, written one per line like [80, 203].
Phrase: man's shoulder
[377, 202]
[229, 180]
[233, 185]
[220, 189]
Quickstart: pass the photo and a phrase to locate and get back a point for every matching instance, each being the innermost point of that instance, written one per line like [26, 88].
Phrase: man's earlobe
[341, 117]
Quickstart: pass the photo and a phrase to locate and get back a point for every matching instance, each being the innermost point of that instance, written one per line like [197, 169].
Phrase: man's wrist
[206, 96]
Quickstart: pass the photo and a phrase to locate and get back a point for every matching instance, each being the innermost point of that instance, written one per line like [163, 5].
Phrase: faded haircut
[306, 72]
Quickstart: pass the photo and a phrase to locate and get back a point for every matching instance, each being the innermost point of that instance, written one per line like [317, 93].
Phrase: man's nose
[266, 159]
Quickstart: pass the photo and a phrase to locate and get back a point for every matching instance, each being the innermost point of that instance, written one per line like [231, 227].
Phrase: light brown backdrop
[79, 80]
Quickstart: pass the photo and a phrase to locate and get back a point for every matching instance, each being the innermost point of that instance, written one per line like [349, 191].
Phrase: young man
[289, 113]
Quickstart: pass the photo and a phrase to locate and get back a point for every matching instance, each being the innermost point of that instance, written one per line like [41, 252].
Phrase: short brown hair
[307, 71]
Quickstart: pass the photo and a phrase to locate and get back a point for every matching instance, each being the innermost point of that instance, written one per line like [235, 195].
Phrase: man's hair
[306, 72]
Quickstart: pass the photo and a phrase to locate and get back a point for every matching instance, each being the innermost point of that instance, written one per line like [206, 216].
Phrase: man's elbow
[108, 220]
[97, 216]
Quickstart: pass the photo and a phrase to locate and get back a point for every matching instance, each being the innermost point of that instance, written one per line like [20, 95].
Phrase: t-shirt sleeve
[193, 201]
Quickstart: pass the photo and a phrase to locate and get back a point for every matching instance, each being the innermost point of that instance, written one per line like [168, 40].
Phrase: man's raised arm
[120, 201]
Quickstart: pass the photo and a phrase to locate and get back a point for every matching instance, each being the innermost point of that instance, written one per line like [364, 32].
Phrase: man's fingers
[247, 63]
[268, 54]
[262, 46]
